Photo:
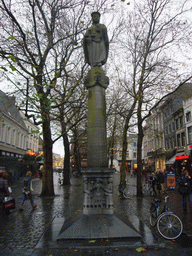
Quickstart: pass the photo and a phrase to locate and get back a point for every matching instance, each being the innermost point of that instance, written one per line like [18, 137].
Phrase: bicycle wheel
[153, 215]
[127, 193]
[169, 226]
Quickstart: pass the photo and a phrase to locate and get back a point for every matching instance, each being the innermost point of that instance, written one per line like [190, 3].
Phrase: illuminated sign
[181, 157]
[190, 146]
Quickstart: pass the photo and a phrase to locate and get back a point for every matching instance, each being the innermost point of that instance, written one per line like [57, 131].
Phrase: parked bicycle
[125, 190]
[168, 224]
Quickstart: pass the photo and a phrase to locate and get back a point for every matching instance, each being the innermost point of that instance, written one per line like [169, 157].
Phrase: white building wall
[12, 135]
[187, 106]
[32, 139]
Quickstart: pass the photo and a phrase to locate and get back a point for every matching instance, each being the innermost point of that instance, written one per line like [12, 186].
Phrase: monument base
[98, 227]
[98, 191]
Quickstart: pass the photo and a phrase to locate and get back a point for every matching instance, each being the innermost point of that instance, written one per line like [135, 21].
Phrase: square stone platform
[97, 227]
[112, 232]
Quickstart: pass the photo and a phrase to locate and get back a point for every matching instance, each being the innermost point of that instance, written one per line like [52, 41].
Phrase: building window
[181, 121]
[188, 116]
[189, 129]
[183, 139]
[171, 144]
[173, 126]
[176, 124]
[167, 145]
[8, 136]
[169, 128]
[2, 132]
[178, 140]
[134, 155]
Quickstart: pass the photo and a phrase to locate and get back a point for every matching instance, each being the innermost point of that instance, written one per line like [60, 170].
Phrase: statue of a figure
[96, 43]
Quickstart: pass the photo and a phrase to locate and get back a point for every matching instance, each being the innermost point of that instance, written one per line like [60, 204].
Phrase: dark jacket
[161, 178]
[152, 180]
[185, 182]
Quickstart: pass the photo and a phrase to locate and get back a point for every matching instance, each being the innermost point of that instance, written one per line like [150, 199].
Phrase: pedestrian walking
[153, 182]
[27, 191]
[185, 190]
[161, 181]
[4, 191]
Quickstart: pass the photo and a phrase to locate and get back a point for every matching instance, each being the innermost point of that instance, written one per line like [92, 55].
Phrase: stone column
[96, 83]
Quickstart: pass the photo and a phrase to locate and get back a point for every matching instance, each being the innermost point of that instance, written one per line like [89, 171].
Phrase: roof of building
[184, 91]
[8, 107]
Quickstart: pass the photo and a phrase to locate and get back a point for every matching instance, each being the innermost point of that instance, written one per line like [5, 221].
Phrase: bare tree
[34, 35]
[153, 31]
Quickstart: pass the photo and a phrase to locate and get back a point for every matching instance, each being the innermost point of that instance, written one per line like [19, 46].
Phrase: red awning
[181, 156]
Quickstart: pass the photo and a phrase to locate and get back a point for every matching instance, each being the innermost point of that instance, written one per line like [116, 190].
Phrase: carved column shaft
[96, 83]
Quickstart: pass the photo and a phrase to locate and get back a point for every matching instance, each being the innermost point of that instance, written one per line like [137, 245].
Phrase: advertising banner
[171, 180]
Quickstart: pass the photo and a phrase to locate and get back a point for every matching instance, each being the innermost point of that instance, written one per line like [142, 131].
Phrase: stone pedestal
[98, 191]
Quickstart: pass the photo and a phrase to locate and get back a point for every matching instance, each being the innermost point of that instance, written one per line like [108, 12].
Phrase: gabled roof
[8, 107]
[185, 91]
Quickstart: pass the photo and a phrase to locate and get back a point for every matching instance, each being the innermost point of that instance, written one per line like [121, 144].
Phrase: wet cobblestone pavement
[21, 232]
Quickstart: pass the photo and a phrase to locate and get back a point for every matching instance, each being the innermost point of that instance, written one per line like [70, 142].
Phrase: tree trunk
[77, 157]
[113, 141]
[124, 152]
[66, 170]
[47, 179]
[111, 160]
[139, 150]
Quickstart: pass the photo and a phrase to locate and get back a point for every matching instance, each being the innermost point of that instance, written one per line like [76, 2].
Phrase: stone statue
[96, 43]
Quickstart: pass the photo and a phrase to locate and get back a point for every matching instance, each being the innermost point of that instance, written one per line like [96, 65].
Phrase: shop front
[183, 160]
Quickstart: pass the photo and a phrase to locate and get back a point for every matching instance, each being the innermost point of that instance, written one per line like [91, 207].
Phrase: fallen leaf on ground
[92, 241]
[141, 249]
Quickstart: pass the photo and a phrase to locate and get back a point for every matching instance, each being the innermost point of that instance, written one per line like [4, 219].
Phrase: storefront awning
[171, 161]
[178, 156]
[181, 156]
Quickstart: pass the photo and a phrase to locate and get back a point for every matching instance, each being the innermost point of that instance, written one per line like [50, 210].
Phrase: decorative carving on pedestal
[98, 191]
